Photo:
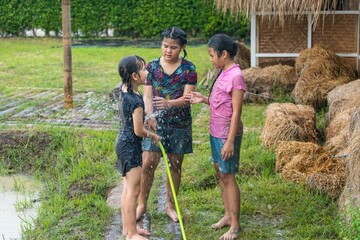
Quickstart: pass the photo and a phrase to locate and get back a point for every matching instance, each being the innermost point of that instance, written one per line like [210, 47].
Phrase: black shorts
[128, 156]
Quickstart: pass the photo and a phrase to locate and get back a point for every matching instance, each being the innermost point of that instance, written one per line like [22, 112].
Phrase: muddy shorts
[128, 156]
[230, 165]
[174, 140]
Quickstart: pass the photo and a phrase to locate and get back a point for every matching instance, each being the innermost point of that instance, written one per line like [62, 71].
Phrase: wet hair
[220, 42]
[177, 34]
[127, 66]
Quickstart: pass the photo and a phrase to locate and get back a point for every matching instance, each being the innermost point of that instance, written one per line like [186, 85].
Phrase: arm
[150, 120]
[196, 97]
[139, 128]
[162, 103]
[237, 101]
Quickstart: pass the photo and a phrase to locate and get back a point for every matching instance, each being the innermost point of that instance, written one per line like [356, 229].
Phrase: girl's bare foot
[231, 234]
[224, 222]
[140, 210]
[172, 214]
[139, 230]
[135, 237]
[142, 231]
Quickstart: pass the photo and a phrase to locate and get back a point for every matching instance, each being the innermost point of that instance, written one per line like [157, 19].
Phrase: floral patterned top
[171, 87]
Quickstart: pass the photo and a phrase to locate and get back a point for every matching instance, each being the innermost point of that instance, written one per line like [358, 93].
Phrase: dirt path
[114, 228]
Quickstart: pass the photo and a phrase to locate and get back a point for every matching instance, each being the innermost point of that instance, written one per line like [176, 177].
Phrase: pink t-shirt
[221, 101]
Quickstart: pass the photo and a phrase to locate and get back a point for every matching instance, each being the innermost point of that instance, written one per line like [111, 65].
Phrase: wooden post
[66, 28]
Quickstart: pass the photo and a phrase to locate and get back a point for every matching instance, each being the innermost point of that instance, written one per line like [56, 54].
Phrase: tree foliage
[126, 18]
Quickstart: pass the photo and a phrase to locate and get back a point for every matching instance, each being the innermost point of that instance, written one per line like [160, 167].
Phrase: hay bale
[295, 161]
[353, 164]
[330, 184]
[343, 97]
[243, 56]
[320, 70]
[337, 132]
[354, 121]
[302, 164]
[286, 151]
[255, 82]
[280, 76]
[264, 80]
[288, 122]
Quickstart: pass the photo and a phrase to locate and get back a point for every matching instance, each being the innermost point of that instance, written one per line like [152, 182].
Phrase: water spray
[172, 189]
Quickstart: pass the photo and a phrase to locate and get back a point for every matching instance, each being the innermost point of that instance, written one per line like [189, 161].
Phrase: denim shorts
[174, 140]
[230, 165]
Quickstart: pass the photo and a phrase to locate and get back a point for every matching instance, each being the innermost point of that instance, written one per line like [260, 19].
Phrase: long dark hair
[177, 34]
[127, 66]
[220, 42]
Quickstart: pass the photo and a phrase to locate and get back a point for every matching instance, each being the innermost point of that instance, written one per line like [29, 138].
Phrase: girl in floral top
[170, 78]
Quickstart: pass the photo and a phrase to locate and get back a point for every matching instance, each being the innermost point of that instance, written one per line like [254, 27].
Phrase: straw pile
[312, 164]
[353, 166]
[337, 132]
[263, 80]
[243, 56]
[320, 70]
[330, 184]
[343, 101]
[288, 122]
[343, 97]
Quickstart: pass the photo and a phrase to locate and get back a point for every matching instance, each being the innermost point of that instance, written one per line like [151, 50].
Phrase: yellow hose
[172, 189]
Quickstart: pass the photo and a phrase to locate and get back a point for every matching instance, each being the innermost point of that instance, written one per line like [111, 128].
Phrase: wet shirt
[221, 101]
[171, 87]
[127, 104]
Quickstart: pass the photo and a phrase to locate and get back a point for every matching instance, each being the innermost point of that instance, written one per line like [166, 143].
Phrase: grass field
[77, 166]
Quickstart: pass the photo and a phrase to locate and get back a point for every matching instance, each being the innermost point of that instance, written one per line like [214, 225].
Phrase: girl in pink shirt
[226, 100]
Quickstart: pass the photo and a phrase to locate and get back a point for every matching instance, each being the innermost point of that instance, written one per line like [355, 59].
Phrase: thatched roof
[278, 8]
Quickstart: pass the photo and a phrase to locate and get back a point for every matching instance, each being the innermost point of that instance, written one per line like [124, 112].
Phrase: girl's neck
[170, 62]
[135, 88]
[229, 64]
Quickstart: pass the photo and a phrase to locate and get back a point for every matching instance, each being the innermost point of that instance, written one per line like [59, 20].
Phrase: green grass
[77, 166]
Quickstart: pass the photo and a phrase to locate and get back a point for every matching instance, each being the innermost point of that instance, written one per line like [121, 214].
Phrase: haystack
[320, 70]
[264, 80]
[337, 132]
[288, 122]
[295, 160]
[353, 165]
[343, 97]
[286, 151]
[329, 184]
[312, 164]
[280, 76]
[243, 56]
[255, 82]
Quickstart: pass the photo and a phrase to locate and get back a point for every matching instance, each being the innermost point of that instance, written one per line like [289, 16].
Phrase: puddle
[19, 197]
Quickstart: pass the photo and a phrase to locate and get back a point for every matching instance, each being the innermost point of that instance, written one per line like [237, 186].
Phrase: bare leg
[175, 162]
[122, 206]
[132, 181]
[226, 219]
[150, 162]
[232, 196]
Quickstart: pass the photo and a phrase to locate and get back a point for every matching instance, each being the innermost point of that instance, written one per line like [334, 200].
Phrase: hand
[156, 139]
[195, 97]
[227, 150]
[160, 103]
[150, 123]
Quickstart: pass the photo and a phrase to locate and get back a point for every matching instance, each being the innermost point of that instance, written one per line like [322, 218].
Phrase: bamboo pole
[66, 27]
